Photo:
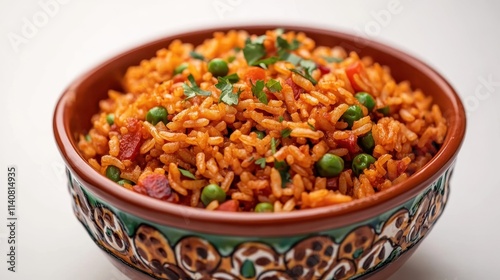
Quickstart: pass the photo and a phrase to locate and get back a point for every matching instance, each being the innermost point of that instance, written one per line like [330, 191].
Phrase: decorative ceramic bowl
[370, 237]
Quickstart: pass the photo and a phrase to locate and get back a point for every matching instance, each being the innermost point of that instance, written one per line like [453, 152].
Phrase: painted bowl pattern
[348, 252]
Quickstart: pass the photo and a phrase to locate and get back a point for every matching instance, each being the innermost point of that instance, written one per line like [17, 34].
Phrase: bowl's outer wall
[80, 101]
[359, 249]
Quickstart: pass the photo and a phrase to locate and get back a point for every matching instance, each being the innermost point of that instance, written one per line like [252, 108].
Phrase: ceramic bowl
[144, 237]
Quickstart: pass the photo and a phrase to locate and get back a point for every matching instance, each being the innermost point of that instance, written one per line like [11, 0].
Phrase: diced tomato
[229, 206]
[130, 145]
[297, 90]
[323, 69]
[156, 186]
[254, 74]
[332, 183]
[351, 70]
[179, 78]
[133, 125]
[350, 143]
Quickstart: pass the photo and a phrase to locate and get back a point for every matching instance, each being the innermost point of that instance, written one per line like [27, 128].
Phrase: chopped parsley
[263, 63]
[332, 59]
[283, 168]
[305, 70]
[280, 119]
[273, 145]
[261, 162]
[285, 133]
[227, 96]
[233, 78]
[311, 126]
[258, 91]
[193, 90]
[273, 85]
[290, 57]
[283, 44]
[186, 173]
[254, 51]
[196, 55]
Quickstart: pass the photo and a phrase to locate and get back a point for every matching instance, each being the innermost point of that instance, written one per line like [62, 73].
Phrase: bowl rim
[189, 218]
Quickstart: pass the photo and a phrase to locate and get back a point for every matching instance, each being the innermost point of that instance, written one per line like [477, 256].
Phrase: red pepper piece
[130, 145]
[297, 90]
[229, 206]
[353, 69]
[156, 186]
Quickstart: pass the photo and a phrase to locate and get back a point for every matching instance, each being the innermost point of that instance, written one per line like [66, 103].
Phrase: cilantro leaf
[196, 55]
[280, 119]
[273, 85]
[258, 91]
[286, 132]
[263, 63]
[227, 96]
[332, 59]
[308, 65]
[290, 57]
[311, 126]
[283, 168]
[253, 52]
[284, 45]
[193, 90]
[305, 69]
[186, 173]
[273, 145]
[260, 39]
[233, 78]
[261, 162]
[231, 58]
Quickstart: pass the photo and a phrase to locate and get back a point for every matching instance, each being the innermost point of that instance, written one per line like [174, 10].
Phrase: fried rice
[259, 130]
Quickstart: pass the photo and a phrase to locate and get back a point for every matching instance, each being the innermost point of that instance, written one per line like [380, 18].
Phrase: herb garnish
[258, 91]
[227, 96]
[186, 173]
[196, 55]
[193, 90]
[285, 133]
[261, 162]
[273, 85]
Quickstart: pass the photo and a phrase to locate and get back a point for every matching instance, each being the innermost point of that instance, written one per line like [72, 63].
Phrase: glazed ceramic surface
[369, 237]
[339, 253]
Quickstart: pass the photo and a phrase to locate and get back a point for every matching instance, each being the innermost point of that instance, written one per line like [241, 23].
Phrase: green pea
[330, 165]
[384, 110]
[180, 68]
[212, 192]
[361, 162]
[156, 115]
[260, 134]
[122, 182]
[264, 207]
[110, 119]
[113, 173]
[353, 113]
[218, 67]
[367, 142]
[366, 99]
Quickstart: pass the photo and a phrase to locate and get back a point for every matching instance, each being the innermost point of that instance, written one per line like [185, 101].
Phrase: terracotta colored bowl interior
[80, 101]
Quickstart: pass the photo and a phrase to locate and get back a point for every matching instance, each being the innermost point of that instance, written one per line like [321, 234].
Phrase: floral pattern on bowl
[341, 253]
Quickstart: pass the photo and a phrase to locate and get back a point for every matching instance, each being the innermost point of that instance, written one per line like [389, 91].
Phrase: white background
[459, 38]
